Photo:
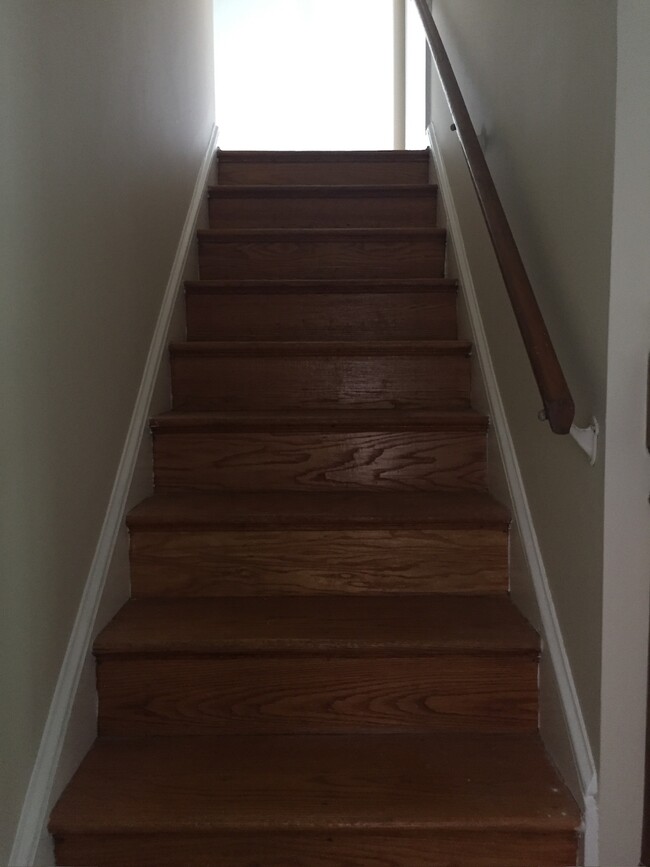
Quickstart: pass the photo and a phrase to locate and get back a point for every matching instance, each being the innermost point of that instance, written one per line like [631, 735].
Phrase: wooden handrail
[558, 404]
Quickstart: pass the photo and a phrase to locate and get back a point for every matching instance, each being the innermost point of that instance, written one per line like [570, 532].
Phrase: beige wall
[540, 82]
[106, 108]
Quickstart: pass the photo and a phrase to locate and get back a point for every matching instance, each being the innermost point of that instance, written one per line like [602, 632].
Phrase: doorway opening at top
[315, 74]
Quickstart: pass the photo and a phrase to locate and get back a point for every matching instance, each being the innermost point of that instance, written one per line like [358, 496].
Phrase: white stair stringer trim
[34, 815]
[551, 632]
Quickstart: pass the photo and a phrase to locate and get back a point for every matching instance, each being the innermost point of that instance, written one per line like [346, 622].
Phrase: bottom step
[317, 801]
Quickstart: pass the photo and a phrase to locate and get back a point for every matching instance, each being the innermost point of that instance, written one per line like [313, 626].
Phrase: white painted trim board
[551, 632]
[36, 805]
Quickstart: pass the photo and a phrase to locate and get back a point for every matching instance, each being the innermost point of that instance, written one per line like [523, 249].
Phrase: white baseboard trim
[553, 641]
[34, 814]
[590, 853]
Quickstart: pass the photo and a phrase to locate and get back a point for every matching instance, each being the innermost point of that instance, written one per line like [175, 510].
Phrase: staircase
[320, 665]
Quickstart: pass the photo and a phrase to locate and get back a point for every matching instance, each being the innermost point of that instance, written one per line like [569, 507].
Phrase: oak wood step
[162, 695]
[321, 309]
[350, 420]
[359, 285]
[284, 375]
[336, 543]
[343, 510]
[323, 167]
[321, 253]
[317, 205]
[332, 626]
[311, 348]
[394, 849]
[250, 561]
[319, 665]
[412, 800]
[324, 450]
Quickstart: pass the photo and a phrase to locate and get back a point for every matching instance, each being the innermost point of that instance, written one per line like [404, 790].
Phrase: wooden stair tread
[298, 191]
[393, 156]
[331, 286]
[293, 348]
[306, 310]
[209, 236]
[297, 509]
[321, 420]
[376, 626]
[296, 253]
[309, 783]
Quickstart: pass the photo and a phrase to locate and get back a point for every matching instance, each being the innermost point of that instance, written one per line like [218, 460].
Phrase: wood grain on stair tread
[211, 456]
[324, 348]
[322, 191]
[311, 783]
[469, 848]
[329, 233]
[295, 665]
[265, 375]
[333, 253]
[318, 314]
[270, 380]
[308, 625]
[190, 693]
[354, 286]
[321, 173]
[319, 420]
[318, 206]
[349, 509]
[258, 562]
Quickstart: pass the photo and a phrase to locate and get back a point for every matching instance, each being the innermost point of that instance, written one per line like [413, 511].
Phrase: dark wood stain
[304, 253]
[262, 461]
[203, 695]
[333, 381]
[292, 315]
[254, 562]
[312, 206]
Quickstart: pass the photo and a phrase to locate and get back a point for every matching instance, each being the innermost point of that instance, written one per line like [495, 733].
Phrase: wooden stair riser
[370, 460]
[406, 848]
[321, 315]
[346, 169]
[205, 382]
[185, 695]
[306, 562]
[286, 255]
[255, 208]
